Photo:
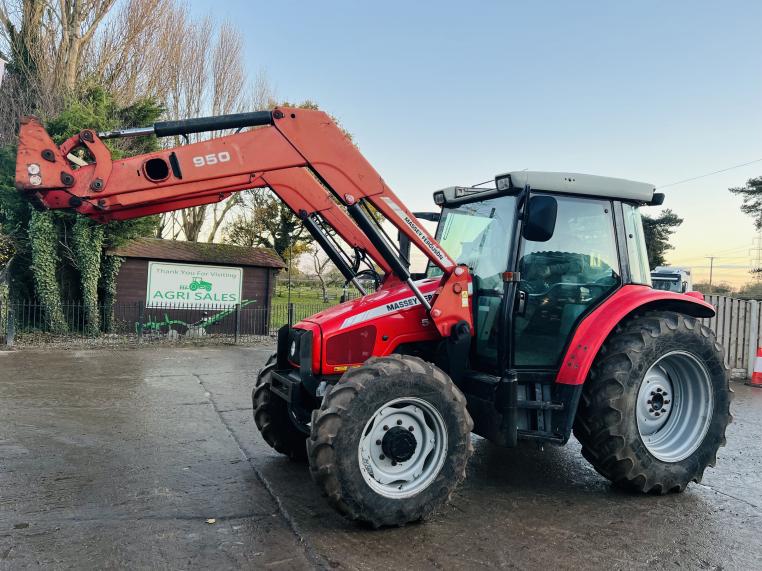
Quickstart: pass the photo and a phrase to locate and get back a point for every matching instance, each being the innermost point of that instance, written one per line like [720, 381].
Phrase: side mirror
[540, 218]
[685, 287]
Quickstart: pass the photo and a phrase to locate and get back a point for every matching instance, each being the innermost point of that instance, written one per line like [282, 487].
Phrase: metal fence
[30, 323]
[738, 326]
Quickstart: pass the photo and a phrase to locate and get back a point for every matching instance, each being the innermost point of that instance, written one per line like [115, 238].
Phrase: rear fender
[596, 327]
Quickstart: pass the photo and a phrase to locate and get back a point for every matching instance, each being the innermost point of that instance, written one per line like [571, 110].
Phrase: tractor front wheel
[655, 407]
[273, 418]
[391, 441]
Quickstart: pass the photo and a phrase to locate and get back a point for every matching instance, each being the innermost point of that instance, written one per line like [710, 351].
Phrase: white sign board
[192, 286]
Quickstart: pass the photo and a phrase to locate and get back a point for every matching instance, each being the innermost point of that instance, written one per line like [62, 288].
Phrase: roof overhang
[576, 183]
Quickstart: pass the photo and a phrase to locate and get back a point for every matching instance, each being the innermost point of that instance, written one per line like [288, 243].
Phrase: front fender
[595, 328]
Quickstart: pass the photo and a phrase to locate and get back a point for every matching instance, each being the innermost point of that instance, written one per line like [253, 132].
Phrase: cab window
[636, 245]
[564, 278]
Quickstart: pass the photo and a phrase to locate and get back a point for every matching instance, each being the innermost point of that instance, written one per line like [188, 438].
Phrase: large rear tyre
[655, 407]
[273, 419]
[391, 441]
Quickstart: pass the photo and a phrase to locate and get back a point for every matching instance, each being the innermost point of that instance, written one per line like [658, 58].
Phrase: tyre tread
[326, 422]
[601, 426]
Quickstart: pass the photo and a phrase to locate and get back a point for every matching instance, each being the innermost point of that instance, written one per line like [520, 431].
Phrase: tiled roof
[176, 250]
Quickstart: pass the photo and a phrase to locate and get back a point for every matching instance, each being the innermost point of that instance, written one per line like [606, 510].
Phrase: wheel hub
[674, 406]
[399, 444]
[403, 447]
[657, 397]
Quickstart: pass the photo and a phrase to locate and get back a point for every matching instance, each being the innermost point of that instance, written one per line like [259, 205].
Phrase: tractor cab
[564, 241]
[544, 250]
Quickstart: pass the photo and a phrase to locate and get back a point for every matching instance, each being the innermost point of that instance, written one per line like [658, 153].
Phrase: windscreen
[478, 234]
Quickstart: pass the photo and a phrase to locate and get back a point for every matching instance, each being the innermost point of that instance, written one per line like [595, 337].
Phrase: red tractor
[535, 317]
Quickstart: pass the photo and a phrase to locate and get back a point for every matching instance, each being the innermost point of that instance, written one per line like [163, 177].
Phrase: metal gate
[738, 329]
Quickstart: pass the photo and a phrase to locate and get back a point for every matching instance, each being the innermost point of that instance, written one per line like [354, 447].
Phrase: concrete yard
[118, 458]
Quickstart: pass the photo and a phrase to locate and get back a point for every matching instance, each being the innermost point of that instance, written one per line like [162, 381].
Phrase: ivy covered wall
[43, 241]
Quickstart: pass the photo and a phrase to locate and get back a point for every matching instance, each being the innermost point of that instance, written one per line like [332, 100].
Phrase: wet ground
[150, 459]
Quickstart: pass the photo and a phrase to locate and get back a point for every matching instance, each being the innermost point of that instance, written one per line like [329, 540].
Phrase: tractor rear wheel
[656, 404]
[273, 419]
[391, 441]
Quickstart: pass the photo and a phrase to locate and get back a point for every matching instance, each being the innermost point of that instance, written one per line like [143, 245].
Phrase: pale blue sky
[443, 93]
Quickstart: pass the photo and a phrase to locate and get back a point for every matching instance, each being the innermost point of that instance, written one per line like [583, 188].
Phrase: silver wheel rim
[674, 407]
[403, 479]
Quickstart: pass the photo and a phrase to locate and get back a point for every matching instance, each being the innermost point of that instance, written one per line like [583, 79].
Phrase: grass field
[307, 299]
[308, 293]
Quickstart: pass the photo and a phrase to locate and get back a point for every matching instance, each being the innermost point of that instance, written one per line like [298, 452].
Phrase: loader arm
[300, 154]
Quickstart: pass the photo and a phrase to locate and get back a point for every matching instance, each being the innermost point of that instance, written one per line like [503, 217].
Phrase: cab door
[562, 279]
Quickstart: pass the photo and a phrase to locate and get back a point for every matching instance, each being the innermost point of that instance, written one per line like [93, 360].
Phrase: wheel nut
[658, 390]
[666, 401]
[650, 409]
[378, 442]
[399, 422]
[653, 394]
[382, 457]
[386, 427]
[410, 428]
[394, 463]
[648, 402]
[656, 414]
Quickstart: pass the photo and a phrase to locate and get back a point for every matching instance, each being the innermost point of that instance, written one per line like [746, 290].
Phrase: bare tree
[201, 71]
[21, 39]
[123, 56]
[48, 39]
[78, 21]
[45, 42]
[321, 266]
[209, 77]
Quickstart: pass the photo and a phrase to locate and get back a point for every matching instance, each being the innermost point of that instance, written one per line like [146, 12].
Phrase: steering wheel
[367, 274]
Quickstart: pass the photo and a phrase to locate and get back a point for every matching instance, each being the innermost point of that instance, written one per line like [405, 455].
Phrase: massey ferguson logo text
[418, 232]
[434, 250]
[407, 302]
[381, 310]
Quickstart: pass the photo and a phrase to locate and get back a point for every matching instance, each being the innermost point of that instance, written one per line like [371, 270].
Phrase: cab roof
[576, 183]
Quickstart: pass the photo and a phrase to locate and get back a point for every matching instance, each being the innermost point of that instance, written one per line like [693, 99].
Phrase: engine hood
[387, 300]
[392, 315]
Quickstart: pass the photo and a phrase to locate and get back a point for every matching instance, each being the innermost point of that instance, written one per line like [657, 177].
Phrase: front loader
[535, 318]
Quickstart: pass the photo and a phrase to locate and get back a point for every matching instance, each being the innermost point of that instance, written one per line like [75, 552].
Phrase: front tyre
[391, 441]
[655, 407]
[273, 418]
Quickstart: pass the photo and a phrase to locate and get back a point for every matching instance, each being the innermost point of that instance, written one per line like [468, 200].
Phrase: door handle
[521, 303]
